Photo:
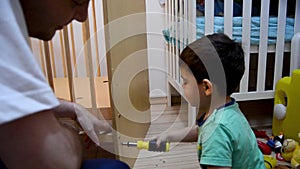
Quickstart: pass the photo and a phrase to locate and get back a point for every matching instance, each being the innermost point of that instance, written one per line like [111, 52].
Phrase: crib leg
[169, 96]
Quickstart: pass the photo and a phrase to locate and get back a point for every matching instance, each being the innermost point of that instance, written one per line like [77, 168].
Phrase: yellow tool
[149, 145]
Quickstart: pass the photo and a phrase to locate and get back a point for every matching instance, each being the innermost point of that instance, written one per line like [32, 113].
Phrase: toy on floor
[291, 152]
[287, 106]
[261, 134]
[264, 148]
[270, 161]
[278, 141]
[295, 161]
[276, 144]
[288, 147]
[273, 143]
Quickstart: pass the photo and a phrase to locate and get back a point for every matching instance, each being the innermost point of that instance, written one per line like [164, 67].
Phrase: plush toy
[278, 141]
[270, 161]
[295, 161]
[288, 147]
[291, 152]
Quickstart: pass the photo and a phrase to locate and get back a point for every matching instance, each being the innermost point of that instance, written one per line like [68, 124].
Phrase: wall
[128, 72]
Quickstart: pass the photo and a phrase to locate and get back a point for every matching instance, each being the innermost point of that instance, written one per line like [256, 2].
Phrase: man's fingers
[94, 137]
[101, 126]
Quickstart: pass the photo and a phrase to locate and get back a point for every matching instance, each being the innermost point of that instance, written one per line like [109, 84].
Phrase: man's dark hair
[229, 53]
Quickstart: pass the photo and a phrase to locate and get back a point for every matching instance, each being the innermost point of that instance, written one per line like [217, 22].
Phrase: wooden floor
[184, 155]
[181, 155]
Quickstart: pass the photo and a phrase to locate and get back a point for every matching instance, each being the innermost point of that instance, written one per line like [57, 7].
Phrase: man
[30, 133]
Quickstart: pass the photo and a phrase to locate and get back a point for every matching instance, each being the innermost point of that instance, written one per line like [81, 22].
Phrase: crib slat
[246, 44]
[34, 46]
[51, 50]
[181, 25]
[177, 30]
[171, 45]
[56, 53]
[101, 37]
[98, 72]
[192, 20]
[295, 61]
[209, 17]
[263, 45]
[297, 17]
[174, 48]
[48, 65]
[167, 25]
[186, 23]
[228, 14]
[280, 41]
[167, 49]
[62, 50]
[166, 17]
[41, 53]
[89, 63]
[73, 51]
[29, 43]
[173, 35]
[295, 50]
[69, 64]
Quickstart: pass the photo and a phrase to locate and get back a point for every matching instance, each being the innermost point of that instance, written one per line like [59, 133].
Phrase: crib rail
[178, 12]
[182, 13]
[74, 61]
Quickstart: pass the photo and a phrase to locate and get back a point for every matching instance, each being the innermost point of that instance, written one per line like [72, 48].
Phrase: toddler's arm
[188, 134]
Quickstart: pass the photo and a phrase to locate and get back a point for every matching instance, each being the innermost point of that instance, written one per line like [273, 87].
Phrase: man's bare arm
[39, 141]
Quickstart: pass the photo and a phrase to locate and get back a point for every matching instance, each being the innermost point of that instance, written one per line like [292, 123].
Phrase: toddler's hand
[159, 138]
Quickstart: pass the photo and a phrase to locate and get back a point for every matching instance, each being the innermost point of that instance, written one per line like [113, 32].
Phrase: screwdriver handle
[151, 146]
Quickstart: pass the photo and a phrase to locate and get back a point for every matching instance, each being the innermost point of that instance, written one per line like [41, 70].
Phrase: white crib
[180, 21]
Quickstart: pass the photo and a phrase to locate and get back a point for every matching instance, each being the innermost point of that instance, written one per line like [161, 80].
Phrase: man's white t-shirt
[23, 87]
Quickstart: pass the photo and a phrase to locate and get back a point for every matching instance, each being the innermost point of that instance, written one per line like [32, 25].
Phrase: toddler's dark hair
[230, 54]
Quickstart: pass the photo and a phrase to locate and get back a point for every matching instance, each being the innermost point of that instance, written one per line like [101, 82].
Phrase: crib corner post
[295, 53]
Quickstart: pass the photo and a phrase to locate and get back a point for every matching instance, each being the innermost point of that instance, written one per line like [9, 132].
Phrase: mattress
[237, 29]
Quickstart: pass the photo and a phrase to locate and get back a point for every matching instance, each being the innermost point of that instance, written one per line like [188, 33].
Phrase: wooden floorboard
[181, 155]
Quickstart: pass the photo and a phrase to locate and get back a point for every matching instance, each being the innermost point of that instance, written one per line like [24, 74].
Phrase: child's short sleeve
[217, 147]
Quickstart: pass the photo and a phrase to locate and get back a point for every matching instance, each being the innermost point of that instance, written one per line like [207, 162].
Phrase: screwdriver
[149, 145]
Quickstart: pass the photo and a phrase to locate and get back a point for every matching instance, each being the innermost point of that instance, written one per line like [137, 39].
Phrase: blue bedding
[237, 29]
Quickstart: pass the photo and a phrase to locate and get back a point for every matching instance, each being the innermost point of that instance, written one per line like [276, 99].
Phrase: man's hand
[90, 124]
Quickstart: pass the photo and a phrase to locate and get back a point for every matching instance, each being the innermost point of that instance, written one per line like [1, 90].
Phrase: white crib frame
[184, 13]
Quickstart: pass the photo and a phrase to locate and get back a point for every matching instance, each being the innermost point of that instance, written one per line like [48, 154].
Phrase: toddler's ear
[207, 87]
